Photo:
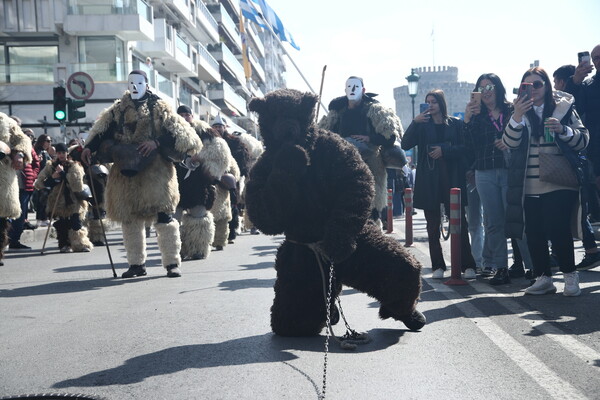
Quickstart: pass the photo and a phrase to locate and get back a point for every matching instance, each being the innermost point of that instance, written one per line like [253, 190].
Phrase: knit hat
[183, 109]
[60, 147]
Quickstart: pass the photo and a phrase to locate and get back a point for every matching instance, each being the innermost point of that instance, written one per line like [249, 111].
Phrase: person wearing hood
[544, 122]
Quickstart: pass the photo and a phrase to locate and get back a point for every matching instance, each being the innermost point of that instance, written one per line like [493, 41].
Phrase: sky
[381, 40]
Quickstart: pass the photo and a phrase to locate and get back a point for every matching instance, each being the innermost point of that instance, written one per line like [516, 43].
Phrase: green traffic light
[60, 115]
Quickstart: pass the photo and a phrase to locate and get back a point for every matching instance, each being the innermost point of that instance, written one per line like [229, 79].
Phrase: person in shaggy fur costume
[147, 192]
[64, 177]
[363, 121]
[197, 177]
[313, 186]
[15, 150]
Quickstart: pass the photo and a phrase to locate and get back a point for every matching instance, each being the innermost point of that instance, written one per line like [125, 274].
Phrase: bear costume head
[285, 116]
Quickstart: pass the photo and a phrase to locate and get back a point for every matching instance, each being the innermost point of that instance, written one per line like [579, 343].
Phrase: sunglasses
[538, 84]
[489, 87]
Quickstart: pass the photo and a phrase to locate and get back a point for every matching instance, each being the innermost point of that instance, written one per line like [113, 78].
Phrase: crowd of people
[188, 177]
[534, 165]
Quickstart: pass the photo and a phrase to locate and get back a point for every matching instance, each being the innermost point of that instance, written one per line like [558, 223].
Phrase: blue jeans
[17, 224]
[492, 185]
[475, 220]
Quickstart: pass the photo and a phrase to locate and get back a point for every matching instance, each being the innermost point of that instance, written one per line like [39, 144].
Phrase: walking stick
[320, 93]
[52, 215]
[100, 219]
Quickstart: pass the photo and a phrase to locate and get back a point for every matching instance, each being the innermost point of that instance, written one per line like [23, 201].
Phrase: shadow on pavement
[247, 284]
[260, 349]
[73, 286]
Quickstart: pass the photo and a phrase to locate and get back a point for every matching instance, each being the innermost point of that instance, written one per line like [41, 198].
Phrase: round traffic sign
[80, 85]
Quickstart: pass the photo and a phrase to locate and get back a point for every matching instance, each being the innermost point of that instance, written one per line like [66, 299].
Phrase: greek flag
[266, 18]
[250, 11]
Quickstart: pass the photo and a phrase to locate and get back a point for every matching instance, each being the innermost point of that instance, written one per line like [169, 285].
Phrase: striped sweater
[577, 141]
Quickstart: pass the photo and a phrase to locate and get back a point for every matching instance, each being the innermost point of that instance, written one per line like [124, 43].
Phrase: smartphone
[526, 90]
[583, 56]
[423, 107]
[476, 96]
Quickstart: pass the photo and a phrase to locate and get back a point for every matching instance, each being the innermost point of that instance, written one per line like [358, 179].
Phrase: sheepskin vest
[11, 134]
[63, 195]
[154, 189]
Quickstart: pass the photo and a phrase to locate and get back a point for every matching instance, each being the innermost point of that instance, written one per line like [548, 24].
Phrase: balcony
[228, 28]
[206, 25]
[163, 44]
[225, 97]
[230, 67]
[131, 22]
[257, 43]
[208, 67]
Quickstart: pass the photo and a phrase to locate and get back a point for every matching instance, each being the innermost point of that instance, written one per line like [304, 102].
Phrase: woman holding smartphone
[542, 209]
[441, 165]
[486, 116]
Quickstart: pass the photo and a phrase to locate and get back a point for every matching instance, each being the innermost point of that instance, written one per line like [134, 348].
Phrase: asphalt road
[67, 326]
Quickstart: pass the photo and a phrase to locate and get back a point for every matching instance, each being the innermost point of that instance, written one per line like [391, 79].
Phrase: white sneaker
[469, 273]
[438, 274]
[542, 285]
[571, 284]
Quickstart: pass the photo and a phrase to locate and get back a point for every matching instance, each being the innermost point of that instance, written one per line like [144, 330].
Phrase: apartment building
[190, 49]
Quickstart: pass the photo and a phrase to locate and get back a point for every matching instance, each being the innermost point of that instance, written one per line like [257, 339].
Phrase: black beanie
[60, 147]
[184, 109]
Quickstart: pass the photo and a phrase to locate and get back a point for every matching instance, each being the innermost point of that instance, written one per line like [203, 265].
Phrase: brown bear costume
[313, 186]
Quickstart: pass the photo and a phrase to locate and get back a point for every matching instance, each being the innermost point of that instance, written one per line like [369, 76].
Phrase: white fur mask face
[137, 86]
[354, 89]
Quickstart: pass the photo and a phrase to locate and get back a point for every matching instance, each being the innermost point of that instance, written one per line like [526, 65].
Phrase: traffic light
[60, 103]
[74, 114]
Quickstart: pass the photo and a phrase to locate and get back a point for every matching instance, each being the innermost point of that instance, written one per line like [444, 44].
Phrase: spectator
[485, 120]
[441, 166]
[561, 76]
[42, 147]
[587, 102]
[542, 209]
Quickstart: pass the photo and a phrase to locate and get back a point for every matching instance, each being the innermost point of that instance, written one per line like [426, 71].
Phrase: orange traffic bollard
[455, 242]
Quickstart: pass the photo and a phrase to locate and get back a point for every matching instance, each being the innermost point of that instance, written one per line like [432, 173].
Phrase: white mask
[137, 86]
[354, 89]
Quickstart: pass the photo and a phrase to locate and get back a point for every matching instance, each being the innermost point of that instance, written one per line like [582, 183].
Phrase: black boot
[516, 271]
[501, 277]
[134, 270]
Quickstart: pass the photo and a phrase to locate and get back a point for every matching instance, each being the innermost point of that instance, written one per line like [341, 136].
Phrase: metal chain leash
[329, 331]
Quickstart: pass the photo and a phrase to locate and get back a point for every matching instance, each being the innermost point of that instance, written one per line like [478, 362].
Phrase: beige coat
[155, 189]
[11, 134]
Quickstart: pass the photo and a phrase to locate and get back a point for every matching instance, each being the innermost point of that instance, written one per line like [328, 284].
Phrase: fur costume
[383, 128]
[66, 206]
[197, 188]
[154, 191]
[222, 208]
[10, 206]
[313, 186]
[256, 148]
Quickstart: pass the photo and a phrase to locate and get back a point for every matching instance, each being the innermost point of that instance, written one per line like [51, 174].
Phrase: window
[29, 63]
[182, 45]
[102, 58]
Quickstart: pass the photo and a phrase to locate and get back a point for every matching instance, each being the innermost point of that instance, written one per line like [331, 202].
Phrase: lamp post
[413, 87]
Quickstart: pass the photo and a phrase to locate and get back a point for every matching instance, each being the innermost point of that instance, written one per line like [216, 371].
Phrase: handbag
[555, 168]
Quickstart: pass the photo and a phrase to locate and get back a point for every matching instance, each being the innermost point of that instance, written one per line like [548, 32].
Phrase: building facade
[441, 77]
[191, 50]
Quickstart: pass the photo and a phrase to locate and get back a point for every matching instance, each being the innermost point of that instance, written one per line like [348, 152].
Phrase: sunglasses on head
[538, 84]
[489, 87]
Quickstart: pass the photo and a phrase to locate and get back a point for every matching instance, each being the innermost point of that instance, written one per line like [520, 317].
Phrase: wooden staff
[320, 93]
[62, 183]
[100, 219]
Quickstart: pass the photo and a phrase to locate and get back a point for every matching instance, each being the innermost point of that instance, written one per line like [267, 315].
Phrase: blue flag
[266, 18]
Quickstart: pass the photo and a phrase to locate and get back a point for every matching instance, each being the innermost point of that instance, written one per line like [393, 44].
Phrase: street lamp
[413, 87]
